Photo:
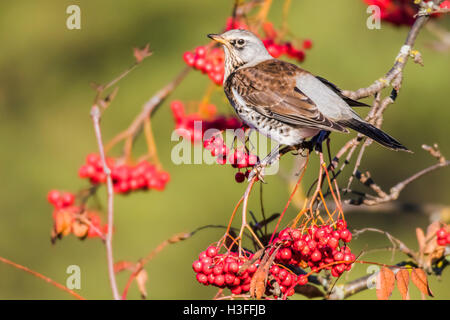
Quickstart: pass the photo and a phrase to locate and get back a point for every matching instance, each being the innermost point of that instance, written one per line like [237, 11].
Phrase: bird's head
[241, 48]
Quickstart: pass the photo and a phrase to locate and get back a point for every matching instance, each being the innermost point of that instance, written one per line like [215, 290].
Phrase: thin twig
[95, 115]
[41, 276]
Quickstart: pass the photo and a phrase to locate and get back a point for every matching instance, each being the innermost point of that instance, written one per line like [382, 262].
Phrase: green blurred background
[45, 98]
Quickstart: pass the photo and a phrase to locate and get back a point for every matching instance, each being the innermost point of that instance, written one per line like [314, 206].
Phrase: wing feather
[270, 88]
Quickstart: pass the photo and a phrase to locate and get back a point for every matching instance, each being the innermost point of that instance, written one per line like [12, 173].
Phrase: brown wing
[270, 89]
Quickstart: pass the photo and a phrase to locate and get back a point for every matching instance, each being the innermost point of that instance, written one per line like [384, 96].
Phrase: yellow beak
[218, 38]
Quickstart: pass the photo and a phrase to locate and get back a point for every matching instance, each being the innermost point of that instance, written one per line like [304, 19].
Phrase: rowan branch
[394, 193]
[95, 115]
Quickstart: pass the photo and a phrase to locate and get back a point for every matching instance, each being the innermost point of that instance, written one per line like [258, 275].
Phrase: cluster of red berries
[233, 23]
[286, 280]
[210, 61]
[67, 218]
[225, 271]
[277, 49]
[222, 270]
[443, 236]
[126, 178]
[238, 159]
[400, 12]
[318, 248]
[193, 126]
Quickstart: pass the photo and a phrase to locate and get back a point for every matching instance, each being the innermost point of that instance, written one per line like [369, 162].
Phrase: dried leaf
[431, 245]
[141, 279]
[432, 229]
[141, 54]
[419, 278]
[385, 283]
[420, 239]
[258, 283]
[402, 277]
[248, 263]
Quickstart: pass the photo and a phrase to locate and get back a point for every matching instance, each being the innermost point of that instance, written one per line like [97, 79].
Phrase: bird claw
[258, 171]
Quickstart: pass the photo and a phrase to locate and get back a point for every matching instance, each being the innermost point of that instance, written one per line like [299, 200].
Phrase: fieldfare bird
[284, 102]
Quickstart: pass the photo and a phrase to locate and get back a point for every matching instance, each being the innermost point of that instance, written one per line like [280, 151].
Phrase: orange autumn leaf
[419, 278]
[402, 277]
[385, 283]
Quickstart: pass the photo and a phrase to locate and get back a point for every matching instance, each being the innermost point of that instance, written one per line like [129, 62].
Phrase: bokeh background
[46, 132]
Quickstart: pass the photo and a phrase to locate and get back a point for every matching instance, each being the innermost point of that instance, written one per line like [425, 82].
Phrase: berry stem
[290, 198]
[151, 145]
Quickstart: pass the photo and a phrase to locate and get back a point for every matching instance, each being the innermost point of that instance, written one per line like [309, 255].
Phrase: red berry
[200, 51]
[229, 278]
[286, 254]
[202, 278]
[217, 270]
[245, 287]
[53, 196]
[298, 245]
[236, 290]
[333, 243]
[233, 267]
[197, 266]
[206, 269]
[189, 58]
[239, 177]
[341, 224]
[441, 233]
[252, 268]
[282, 274]
[339, 256]
[274, 270]
[211, 278]
[200, 63]
[296, 234]
[219, 280]
[307, 44]
[211, 252]
[287, 281]
[67, 199]
[302, 280]
[316, 256]
[344, 234]
[202, 255]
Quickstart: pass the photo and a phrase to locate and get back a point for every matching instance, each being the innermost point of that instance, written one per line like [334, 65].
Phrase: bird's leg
[271, 158]
[317, 140]
[258, 168]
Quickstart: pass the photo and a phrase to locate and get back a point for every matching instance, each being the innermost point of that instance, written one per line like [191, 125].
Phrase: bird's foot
[316, 142]
[258, 172]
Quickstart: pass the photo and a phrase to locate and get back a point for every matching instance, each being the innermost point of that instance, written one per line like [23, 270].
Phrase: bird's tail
[373, 133]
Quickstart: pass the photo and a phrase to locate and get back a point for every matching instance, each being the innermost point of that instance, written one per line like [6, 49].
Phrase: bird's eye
[241, 42]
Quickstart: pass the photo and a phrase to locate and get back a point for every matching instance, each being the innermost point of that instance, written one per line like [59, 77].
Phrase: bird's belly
[274, 129]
